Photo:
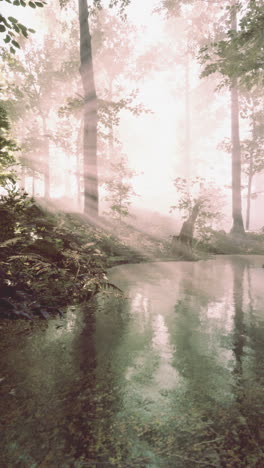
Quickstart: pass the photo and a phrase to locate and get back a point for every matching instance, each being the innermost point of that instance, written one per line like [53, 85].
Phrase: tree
[223, 60]
[119, 189]
[240, 54]
[113, 70]
[200, 205]
[38, 72]
[238, 225]
[90, 102]
[90, 114]
[252, 149]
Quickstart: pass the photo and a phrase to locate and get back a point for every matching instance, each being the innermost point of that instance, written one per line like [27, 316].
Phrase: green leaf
[12, 19]
[16, 2]
[31, 30]
[16, 28]
[16, 44]
[24, 32]
[2, 28]
[32, 5]
[39, 4]
[22, 3]
[7, 39]
[12, 50]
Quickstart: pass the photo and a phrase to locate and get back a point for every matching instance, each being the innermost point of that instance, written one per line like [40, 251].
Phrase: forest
[132, 232]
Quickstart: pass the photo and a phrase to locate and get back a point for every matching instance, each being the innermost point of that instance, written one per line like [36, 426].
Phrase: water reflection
[168, 374]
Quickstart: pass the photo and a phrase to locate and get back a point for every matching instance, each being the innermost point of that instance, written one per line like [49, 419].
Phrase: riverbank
[52, 259]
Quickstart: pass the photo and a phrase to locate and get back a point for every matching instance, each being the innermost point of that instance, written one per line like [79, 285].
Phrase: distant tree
[224, 60]
[120, 189]
[34, 83]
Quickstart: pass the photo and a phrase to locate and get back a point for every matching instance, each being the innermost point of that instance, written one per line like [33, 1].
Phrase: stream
[168, 373]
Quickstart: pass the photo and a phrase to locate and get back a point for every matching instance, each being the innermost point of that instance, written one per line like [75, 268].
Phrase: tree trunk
[90, 115]
[187, 230]
[47, 158]
[111, 131]
[238, 226]
[249, 190]
[187, 160]
[23, 177]
[250, 172]
[182, 244]
[33, 184]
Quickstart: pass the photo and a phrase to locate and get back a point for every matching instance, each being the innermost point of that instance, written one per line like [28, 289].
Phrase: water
[167, 374]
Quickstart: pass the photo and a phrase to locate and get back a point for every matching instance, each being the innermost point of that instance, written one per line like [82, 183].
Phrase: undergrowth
[46, 260]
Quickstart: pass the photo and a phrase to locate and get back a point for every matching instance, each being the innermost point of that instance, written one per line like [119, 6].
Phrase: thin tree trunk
[79, 166]
[47, 158]
[238, 226]
[33, 184]
[111, 133]
[187, 160]
[23, 178]
[90, 115]
[250, 172]
[249, 191]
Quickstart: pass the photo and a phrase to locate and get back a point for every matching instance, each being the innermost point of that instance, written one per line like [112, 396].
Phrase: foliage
[7, 149]
[209, 198]
[240, 55]
[47, 260]
[12, 28]
[119, 188]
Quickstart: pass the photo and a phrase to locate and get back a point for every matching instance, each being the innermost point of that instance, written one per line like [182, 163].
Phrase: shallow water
[167, 374]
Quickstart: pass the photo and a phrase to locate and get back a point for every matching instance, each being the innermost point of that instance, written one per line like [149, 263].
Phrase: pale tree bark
[250, 174]
[238, 225]
[47, 157]
[249, 191]
[187, 161]
[90, 116]
[79, 165]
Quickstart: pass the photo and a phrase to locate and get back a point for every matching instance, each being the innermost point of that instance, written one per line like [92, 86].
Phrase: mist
[132, 233]
[165, 120]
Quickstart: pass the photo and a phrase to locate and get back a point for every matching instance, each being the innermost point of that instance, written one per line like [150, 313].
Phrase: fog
[173, 124]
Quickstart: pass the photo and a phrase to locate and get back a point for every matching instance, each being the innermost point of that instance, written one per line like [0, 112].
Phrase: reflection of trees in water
[239, 333]
[111, 325]
[194, 356]
[214, 397]
[247, 422]
[248, 337]
[92, 398]
[255, 331]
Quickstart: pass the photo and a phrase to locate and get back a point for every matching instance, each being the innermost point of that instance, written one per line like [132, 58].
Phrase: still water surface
[167, 374]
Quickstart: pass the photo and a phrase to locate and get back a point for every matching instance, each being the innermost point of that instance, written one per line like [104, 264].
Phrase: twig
[208, 441]
[195, 461]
